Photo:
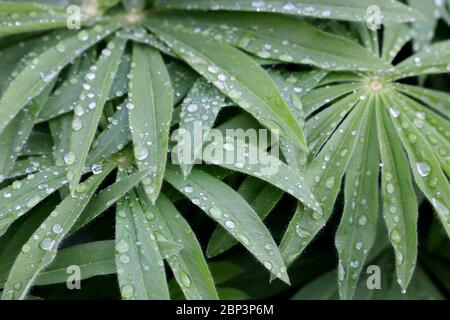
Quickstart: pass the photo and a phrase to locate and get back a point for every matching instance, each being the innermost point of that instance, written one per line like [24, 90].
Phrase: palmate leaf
[357, 230]
[353, 10]
[424, 163]
[324, 175]
[236, 75]
[399, 201]
[150, 112]
[198, 114]
[433, 59]
[41, 249]
[66, 95]
[16, 134]
[40, 71]
[140, 268]
[261, 196]
[23, 195]
[188, 264]
[233, 213]
[26, 17]
[424, 29]
[89, 108]
[270, 37]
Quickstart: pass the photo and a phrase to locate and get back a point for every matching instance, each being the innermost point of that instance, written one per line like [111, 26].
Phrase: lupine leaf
[233, 213]
[324, 175]
[436, 100]
[357, 230]
[41, 249]
[198, 114]
[353, 10]
[16, 133]
[44, 68]
[114, 138]
[20, 18]
[270, 37]
[425, 166]
[150, 113]
[139, 263]
[107, 197]
[319, 97]
[399, 201]
[22, 195]
[237, 76]
[188, 265]
[261, 196]
[89, 108]
[433, 59]
[395, 36]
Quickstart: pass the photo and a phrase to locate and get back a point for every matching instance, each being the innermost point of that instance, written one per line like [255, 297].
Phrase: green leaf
[113, 139]
[270, 37]
[233, 213]
[308, 45]
[255, 161]
[237, 76]
[41, 248]
[399, 200]
[434, 59]
[150, 112]
[436, 100]
[352, 10]
[357, 229]
[29, 17]
[319, 97]
[30, 165]
[261, 196]
[66, 95]
[425, 166]
[188, 265]
[60, 128]
[16, 133]
[424, 29]
[140, 35]
[22, 195]
[139, 263]
[89, 108]
[395, 36]
[107, 197]
[182, 77]
[93, 259]
[44, 68]
[324, 175]
[199, 111]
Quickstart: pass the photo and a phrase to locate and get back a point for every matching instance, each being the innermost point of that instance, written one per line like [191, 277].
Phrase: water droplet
[47, 244]
[124, 258]
[215, 212]
[140, 153]
[127, 291]
[69, 158]
[185, 279]
[77, 124]
[329, 183]
[122, 246]
[83, 35]
[301, 232]
[362, 220]
[423, 168]
[230, 224]
[188, 189]
[57, 229]
[26, 247]
[33, 201]
[395, 235]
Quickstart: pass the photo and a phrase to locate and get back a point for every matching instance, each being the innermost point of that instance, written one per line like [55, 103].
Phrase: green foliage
[360, 118]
